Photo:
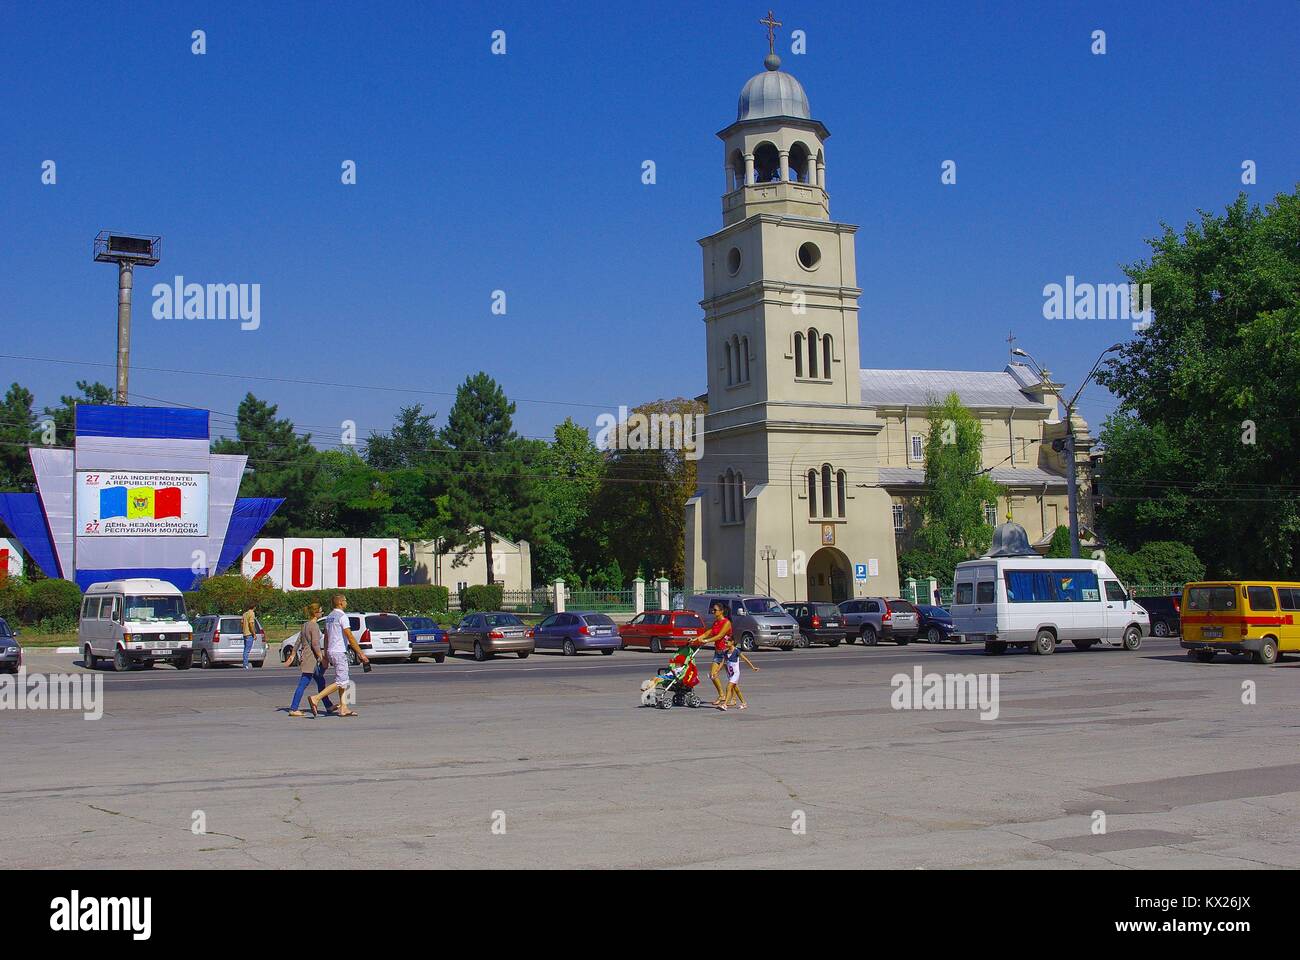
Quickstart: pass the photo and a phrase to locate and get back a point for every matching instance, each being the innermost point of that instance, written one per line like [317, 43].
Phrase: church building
[812, 466]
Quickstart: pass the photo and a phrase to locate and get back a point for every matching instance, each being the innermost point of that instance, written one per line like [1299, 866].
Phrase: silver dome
[772, 94]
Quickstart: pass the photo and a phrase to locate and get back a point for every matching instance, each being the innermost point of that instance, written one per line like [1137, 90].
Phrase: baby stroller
[674, 685]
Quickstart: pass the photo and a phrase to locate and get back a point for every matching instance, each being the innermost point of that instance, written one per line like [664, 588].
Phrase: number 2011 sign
[322, 564]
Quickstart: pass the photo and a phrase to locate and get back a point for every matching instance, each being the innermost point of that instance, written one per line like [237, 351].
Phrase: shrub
[51, 600]
[13, 598]
[230, 594]
[1060, 545]
[482, 597]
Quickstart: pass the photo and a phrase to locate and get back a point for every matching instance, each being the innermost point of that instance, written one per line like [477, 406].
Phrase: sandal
[311, 702]
[350, 713]
[296, 713]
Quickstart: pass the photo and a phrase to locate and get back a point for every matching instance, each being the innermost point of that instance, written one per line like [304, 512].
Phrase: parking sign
[860, 572]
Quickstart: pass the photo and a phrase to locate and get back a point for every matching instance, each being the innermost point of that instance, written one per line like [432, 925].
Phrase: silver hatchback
[220, 639]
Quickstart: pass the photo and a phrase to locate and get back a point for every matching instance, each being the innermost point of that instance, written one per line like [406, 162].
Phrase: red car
[662, 629]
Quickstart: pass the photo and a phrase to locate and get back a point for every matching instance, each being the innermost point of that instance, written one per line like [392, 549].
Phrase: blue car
[427, 639]
[936, 624]
[571, 632]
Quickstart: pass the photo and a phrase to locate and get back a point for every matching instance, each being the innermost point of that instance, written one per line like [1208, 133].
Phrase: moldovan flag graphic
[140, 503]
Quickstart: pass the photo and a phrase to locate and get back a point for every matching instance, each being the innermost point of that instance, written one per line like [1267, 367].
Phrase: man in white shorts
[338, 637]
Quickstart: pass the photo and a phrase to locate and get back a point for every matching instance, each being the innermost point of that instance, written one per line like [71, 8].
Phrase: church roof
[772, 94]
[976, 388]
[1002, 476]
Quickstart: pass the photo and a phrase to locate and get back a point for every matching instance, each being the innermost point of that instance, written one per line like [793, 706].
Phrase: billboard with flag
[131, 504]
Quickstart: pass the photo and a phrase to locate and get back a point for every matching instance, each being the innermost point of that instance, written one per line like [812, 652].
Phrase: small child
[734, 656]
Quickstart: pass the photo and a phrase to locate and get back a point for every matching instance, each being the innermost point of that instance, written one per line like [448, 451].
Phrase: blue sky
[522, 173]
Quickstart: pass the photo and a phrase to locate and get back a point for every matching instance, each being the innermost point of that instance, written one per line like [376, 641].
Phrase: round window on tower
[733, 261]
[809, 255]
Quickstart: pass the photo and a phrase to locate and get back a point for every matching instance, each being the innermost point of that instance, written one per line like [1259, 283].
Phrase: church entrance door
[830, 576]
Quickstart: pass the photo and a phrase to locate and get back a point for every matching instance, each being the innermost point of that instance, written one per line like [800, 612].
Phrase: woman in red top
[718, 632]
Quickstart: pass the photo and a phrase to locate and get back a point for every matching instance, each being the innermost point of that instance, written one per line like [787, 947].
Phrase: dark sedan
[11, 653]
[1166, 614]
[818, 623]
[936, 624]
[427, 639]
[572, 632]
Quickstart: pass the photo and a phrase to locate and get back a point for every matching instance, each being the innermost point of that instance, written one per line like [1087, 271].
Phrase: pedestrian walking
[718, 632]
[734, 656]
[249, 627]
[338, 637]
[311, 660]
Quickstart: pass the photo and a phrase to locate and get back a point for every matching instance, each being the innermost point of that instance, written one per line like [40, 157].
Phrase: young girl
[734, 656]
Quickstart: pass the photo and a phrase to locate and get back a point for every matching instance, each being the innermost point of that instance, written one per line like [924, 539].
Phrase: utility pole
[127, 251]
[769, 554]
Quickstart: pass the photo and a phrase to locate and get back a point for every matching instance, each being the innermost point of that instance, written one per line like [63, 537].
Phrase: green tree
[65, 415]
[953, 524]
[280, 462]
[1060, 545]
[487, 486]
[1203, 444]
[18, 431]
[569, 472]
[412, 442]
[348, 498]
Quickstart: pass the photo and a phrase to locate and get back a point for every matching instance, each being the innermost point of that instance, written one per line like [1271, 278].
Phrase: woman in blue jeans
[309, 655]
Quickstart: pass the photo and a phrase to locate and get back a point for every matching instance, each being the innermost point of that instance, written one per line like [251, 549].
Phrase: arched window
[812, 493]
[826, 489]
[740, 497]
[736, 169]
[730, 373]
[798, 354]
[744, 359]
[827, 353]
[841, 491]
[812, 353]
[722, 497]
[767, 163]
[802, 167]
[729, 497]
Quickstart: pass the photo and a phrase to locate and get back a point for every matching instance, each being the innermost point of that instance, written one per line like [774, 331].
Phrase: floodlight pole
[125, 276]
[1072, 479]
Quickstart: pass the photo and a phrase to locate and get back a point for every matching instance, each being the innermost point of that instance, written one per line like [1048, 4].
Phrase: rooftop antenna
[127, 250]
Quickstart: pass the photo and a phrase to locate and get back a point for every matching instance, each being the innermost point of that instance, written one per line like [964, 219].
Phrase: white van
[135, 621]
[1037, 602]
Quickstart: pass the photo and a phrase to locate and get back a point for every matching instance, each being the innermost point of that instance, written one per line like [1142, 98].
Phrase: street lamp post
[1067, 444]
[769, 554]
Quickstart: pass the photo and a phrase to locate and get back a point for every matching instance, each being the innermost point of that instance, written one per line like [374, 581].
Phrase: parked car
[756, 620]
[381, 636]
[11, 651]
[220, 639]
[139, 620]
[1166, 615]
[576, 630]
[427, 638]
[935, 624]
[487, 634]
[872, 619]
[818, 623]
[662, 629]
[1037, 602]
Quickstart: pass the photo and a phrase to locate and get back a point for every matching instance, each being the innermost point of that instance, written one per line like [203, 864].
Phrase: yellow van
[1240, 617]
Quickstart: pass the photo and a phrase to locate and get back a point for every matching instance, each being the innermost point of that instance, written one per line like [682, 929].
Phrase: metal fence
[601, 601]
[539, 600]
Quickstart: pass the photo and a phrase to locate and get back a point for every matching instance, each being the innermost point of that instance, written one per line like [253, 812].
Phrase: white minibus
[136, 621]
[1038, 602]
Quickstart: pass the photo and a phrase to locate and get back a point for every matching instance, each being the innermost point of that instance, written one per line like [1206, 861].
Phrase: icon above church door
[828, 534]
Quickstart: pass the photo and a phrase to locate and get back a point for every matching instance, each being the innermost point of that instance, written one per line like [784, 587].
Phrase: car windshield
[384, 621]
[236, 625]
[419, 623]
[598, 620]
[4, 629]
[155, 609]
[762, 605]
[503, 620]
[1212, 598]
[901, 606]
[825, 610]
[688, 620]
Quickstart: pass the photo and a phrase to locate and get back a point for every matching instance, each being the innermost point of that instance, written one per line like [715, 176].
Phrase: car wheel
[803, 642]
[833, 643]
[1205, 656]
[902, 641]
[1160, 629]
[184, 661]
[523, 654]
[439, 658]
[479, 653]
[934, 635]
[120, 663]
[607, 653]
[747, 643]
[1267, 652]
[656, 646]
[352, 657]
[569, 649]
[995, 647]
[1045, 643]
[1132, 638]
[258, 663]
[205, 661]
[868, 636]
[89, 659]
[415, 658]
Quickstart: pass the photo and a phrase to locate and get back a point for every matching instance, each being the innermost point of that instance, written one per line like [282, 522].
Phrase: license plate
[689, 633]
[832, 623]
[1215, 632]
